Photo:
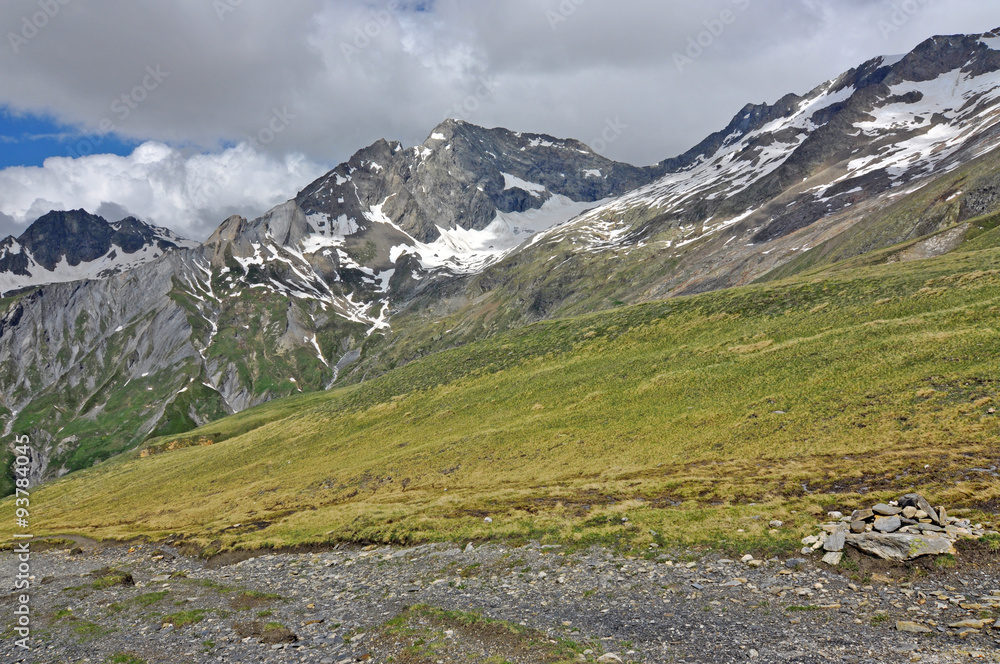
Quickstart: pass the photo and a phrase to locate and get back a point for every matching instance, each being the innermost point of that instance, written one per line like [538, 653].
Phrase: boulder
[886, 510]
[918, 501]
[888, 524]
[942, 515]
[862, 515]
[912, 627]
[970, 624]
[835, 542]
[900, 546]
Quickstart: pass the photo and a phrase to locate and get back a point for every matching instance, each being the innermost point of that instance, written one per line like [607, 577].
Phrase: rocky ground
[495, 603]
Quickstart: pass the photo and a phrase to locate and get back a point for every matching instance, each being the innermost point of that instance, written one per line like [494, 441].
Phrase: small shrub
[108, 578]
[469, 570]
[124, 658]
[183, 618]
[946, 561]
[148, 599]
[88, 631]
[272, 632]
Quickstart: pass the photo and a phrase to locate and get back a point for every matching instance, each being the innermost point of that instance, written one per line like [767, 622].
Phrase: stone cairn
[901, 530]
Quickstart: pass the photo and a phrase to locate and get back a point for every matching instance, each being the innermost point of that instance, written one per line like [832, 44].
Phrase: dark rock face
[81, 237]
[457, 179]
[15, 263]
[77, 235]
[941, 54]
[82, 246]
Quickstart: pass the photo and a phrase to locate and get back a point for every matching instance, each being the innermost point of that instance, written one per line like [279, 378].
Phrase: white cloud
[225, 73]
[190, 194]
[8, 227]
[600, 60]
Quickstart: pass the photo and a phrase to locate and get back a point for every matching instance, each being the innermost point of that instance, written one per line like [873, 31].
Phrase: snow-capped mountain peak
[73, 245]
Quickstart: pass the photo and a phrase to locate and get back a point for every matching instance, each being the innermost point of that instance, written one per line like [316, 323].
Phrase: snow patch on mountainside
[462, 251]
[963, 101]
[735, 166]
[301, 281]
[937, 119]
[327, 232]
[114, 261]
[512, 182]
[802, 118]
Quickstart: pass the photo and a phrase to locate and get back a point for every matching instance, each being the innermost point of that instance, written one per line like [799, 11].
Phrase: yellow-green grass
[693, 418]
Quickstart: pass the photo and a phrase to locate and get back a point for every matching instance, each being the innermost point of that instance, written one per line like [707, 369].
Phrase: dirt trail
[527, 605]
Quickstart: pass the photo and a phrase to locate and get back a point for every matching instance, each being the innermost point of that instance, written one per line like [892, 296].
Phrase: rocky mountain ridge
[897, 150]
[779, 177]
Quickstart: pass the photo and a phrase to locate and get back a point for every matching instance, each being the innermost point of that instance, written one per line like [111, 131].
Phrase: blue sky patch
[28, 140]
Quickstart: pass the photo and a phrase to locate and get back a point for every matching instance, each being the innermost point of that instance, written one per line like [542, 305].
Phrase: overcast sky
[183, 112]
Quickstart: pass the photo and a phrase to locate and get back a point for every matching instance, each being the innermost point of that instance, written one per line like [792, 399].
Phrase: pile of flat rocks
[901, 530]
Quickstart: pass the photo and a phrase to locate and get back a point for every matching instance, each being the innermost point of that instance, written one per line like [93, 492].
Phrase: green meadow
[688, 422]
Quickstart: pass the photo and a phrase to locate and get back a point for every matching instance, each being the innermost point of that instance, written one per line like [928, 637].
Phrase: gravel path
[150, 604]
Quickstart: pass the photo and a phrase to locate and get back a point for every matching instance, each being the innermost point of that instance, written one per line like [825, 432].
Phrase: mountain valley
[406, 273]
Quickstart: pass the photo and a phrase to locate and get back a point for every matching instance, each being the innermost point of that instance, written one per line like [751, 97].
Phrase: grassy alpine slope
[692, 418]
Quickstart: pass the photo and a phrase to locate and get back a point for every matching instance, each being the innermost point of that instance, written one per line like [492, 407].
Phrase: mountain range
[111, 333]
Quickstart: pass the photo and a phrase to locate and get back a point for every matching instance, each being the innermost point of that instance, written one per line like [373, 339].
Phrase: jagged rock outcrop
[461, 177]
